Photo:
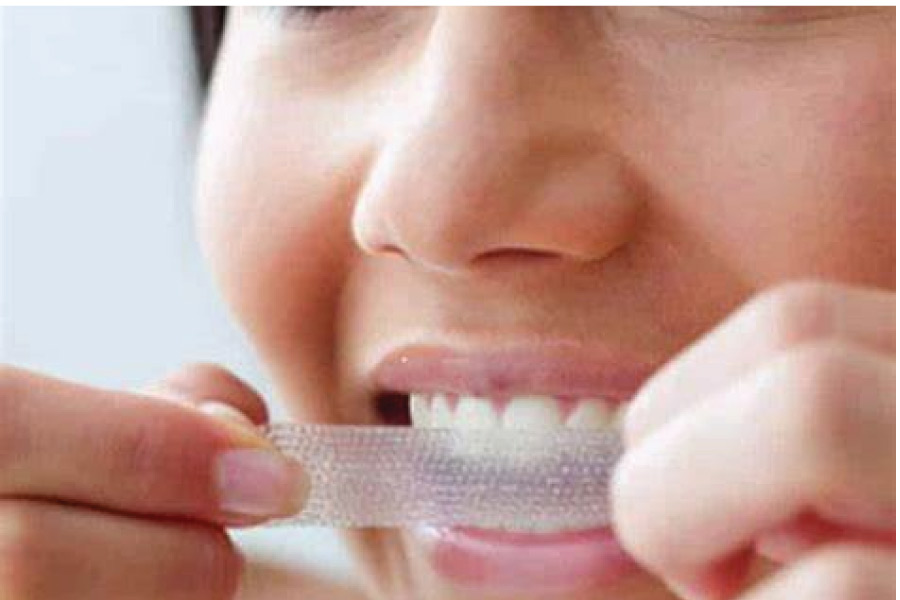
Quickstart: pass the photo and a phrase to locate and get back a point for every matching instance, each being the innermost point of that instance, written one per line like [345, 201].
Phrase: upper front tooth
[532, 412]
[420, 409]
[617, 418]
[590, 414]
[475, 413]
[441, 414]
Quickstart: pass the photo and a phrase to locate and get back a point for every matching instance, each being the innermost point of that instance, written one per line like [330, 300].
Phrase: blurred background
[101, 280]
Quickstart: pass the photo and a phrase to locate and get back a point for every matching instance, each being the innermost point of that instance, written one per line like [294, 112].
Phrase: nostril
[379, 247]
[392, 249]
[512, 255]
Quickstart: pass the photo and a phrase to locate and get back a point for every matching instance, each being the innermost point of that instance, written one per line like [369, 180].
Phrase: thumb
[212, 389]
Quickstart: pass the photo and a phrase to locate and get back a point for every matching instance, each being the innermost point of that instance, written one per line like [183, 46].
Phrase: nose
[497, 149]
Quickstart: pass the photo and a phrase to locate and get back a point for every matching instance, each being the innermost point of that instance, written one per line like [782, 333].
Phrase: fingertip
[200, 382]
[225, 412]
[632, 421]
[259, 484]
[719, 582]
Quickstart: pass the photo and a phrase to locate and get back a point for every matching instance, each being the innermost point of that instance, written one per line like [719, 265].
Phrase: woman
[518, 217]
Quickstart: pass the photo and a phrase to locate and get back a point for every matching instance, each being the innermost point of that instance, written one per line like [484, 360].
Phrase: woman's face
[499, 202]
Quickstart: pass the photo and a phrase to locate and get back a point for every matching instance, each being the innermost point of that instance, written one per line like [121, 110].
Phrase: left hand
[774, 436]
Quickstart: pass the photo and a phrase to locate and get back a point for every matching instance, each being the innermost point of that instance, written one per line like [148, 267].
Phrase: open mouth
[534, 388]
[518, 412]
[439, 410]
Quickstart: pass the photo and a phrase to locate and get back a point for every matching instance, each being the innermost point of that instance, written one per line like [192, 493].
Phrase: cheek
[787, 169]
[274, 222]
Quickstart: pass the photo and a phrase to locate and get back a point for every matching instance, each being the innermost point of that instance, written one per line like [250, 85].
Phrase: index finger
[777, 320]
[133, 454]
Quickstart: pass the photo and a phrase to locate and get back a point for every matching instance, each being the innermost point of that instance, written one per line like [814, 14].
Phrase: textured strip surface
[499, 479]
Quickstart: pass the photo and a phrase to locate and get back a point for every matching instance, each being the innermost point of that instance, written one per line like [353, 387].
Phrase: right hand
[121, 495]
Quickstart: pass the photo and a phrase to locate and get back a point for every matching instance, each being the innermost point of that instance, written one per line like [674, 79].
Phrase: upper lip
[559, 369]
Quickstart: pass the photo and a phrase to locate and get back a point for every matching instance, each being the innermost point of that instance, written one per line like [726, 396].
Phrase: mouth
[559, 385]
[546, 387]
[441, 410]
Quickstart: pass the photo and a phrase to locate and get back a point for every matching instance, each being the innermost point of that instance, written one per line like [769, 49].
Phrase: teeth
[542, 414]
[532, 412]
[420, 410]
[520, 412]
[590, 414]
[475, 413]
[441, 413]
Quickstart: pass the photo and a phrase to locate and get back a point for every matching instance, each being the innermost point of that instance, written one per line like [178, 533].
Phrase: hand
[772, 437]
[121, 495]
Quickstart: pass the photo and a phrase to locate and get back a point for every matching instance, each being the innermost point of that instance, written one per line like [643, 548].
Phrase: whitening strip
[515, 480]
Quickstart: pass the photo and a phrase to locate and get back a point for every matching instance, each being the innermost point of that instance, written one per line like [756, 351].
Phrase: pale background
[100, 277]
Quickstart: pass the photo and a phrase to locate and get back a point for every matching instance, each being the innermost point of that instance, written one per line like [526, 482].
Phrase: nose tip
[419, 232]
[450, 210]
[452, 234]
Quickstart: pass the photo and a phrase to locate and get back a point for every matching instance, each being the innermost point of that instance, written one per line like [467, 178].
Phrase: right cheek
[280, 259]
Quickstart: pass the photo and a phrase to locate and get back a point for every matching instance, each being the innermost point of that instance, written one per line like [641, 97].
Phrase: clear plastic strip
[515, 480]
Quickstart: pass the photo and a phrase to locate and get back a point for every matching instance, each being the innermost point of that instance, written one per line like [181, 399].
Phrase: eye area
[309, 13]
[314, 11]
[764, 14]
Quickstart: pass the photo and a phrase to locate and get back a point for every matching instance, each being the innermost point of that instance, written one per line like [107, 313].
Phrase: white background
[100, 277]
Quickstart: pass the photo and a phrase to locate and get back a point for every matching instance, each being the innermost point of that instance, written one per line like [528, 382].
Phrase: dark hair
[207, 25]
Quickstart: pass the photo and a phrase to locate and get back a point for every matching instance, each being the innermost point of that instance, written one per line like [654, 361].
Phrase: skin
[708, 189]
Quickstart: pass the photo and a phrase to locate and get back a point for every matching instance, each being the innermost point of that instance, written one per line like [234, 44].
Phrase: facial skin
[483, 176]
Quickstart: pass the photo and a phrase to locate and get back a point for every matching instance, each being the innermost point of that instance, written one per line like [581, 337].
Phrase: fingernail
[255, 482]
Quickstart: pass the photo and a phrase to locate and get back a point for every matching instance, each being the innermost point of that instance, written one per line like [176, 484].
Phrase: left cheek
[790, 178]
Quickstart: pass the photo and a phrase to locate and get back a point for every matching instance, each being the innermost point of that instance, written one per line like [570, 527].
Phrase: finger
[124, 452]
[264, 580]
[840, 572]
[788, 542]
[55, 552]
[209, 385]
[776, 321]
[814, 429]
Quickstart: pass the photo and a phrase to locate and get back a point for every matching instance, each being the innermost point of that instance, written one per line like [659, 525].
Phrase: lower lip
[501, 562]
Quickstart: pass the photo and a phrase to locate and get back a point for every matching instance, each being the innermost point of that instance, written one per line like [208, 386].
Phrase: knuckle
[820, 377]
[822, 394]
[798, 312]
[166, 459]
[151, 455]
[20, 551]
[845, 573]
[141, 450]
